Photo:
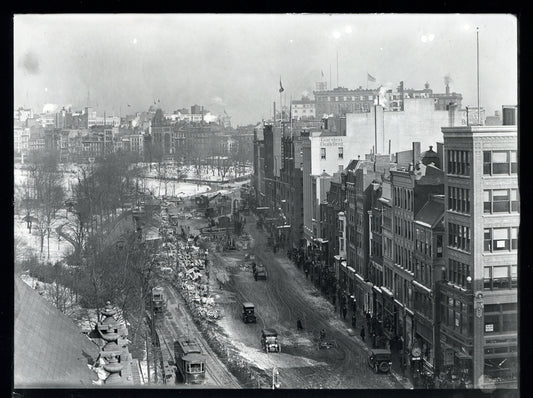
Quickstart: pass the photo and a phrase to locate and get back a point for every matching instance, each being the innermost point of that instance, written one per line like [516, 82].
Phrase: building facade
[478, 298]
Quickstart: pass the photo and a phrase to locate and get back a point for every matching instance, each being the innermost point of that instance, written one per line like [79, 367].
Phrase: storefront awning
[377, 289]
[351, 270]
[359, 277]
[387, 291]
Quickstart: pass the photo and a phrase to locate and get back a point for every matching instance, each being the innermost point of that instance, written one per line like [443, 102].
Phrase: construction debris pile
[186, 265]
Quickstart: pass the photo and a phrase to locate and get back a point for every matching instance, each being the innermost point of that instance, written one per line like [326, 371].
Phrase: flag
[370, 77]
[281, 89]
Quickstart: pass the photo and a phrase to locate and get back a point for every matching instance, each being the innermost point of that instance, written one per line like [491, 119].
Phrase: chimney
[416, 152]
[440, 153]
[447, 89]
[509, 113]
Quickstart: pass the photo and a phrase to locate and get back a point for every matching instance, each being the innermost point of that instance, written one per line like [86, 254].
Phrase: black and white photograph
[297, 201]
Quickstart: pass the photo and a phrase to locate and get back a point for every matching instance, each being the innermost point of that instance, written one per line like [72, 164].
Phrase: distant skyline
[233, 62]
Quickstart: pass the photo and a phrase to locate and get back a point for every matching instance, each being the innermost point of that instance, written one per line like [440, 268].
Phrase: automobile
[269, 341]
[380, 360]
[260, 272]
[249, 256]
[248, 315]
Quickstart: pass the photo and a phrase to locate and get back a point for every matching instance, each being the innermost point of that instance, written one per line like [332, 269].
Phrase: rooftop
[430, 213]
[49, 349]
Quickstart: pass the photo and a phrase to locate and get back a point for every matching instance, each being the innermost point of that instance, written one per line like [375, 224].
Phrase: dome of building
[430, 156]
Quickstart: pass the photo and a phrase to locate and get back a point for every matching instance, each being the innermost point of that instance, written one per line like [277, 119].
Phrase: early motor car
[380, 360]
[260, 272]
[269, 341]
[248, 315]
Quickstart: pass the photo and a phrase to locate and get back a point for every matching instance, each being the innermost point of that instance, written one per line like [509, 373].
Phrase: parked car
[380, 360]
[269, 341]
[248, 315]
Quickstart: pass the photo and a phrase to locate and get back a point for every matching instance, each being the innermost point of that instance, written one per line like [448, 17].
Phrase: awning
[377, 289]
[398, 303]
[387, 291]
[420, 286]
[351, 270]
[360, 278]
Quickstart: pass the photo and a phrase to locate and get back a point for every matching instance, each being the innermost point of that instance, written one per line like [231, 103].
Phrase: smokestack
[274, 117]
[389, 147]
[401, 93]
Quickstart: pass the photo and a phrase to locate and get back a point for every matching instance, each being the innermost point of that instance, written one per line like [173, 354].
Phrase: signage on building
[330, 141]
[489, 327]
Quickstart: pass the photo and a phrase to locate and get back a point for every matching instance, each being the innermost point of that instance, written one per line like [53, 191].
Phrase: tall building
[478, 297]
[341, 100]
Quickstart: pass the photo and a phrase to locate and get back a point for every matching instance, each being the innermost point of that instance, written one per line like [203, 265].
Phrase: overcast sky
[233, 62]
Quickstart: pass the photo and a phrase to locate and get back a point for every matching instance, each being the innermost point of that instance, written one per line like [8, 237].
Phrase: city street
[280, 300]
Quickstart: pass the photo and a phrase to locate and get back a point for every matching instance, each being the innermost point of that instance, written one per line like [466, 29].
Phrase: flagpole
[477, 60]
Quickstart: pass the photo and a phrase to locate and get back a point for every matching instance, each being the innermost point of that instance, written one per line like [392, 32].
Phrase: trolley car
[159, 302]
[190, 360]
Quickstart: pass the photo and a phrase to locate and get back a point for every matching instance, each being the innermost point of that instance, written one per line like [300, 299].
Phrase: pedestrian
[299, 324]
[344, 311]
[363, 333]
[353, 321]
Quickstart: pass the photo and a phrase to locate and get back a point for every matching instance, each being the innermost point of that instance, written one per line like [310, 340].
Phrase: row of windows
[459, 237]
[498, 323]
[455, 314]
[499, 162]
[323, 153]
[500, 277]
[403, 257]
[423, 304]
[458, 272]
[500, 201]
[459, 199]
[403, 227]
[403, 198]
[458, 162]
[347, 98]
[497, 239]
[423, 272]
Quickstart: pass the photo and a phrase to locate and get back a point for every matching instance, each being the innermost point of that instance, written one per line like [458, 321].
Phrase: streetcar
[190, 360]
[159, 302]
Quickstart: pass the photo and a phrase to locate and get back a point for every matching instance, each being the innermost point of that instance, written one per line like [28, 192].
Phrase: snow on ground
[27, 244]
[172, 188]
[206, 173]
[268, 361]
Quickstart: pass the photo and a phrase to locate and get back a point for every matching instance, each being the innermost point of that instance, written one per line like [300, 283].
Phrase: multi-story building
[428, 257]
[478, 298]
[342, 100]
[303, 109]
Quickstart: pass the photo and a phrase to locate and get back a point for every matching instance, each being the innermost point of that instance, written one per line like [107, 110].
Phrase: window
[499, 162]
[515, 202]
[341, 152]
[322, 153]
[499, 277]
[458, 162]
[496, 239]
[500, 239]
[439, 245]
[514, 164]
[459, 199]
[459, 237]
